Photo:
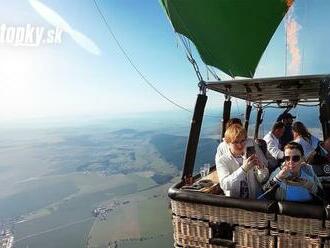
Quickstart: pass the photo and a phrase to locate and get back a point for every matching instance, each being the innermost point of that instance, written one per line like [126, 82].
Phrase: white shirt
[273, 146]
[308, 145]
[230, 174]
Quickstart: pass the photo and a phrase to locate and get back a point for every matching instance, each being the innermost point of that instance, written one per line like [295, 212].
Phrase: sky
[66, 79]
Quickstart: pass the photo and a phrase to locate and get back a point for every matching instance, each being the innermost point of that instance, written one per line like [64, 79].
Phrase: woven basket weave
[191, 223]
[286, 240]
[250, 237]
[301, 226]
[326, 244]
[196, 233]
[216, 221]
[221, 214]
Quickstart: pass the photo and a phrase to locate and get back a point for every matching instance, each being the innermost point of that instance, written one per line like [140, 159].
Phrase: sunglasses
[294, 158]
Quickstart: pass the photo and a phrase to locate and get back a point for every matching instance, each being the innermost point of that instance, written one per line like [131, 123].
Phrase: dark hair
[262, 145]
[294, 145]
[277, 125]
[300, 129]
[233, 121]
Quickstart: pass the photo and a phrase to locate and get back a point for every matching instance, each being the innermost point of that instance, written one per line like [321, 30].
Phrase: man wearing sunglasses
[295, 180]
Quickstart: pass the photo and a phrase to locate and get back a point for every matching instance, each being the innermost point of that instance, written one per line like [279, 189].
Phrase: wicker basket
[195, 233]
[191, 233]
[194, 230]
[233, 216]
[326, 244]
[301, 226]
[195, 245]
[213, 221]
[325, 232]
[193, 222]
[250, 237]
[285, 240]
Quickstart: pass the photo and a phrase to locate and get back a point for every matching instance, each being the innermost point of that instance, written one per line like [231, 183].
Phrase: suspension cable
[190, 57]
[105, 21]
[201, 84]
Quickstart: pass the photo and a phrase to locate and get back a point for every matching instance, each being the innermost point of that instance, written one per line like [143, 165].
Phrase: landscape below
[99, 185]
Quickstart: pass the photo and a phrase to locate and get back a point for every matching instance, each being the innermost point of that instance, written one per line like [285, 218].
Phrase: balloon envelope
[228, 34]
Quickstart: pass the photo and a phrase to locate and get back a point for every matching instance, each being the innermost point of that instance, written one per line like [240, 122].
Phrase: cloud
[56, 20]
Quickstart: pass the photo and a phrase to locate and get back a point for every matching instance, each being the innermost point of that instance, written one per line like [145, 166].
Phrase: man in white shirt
[272, 140]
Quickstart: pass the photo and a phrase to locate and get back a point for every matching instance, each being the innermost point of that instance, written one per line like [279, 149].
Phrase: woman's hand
[249, 163]
[284, 172]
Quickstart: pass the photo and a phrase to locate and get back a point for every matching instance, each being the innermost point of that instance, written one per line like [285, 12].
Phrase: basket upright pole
[325, 108]
[195, 128]
[258, 122]
[226, 115]
[247, 116]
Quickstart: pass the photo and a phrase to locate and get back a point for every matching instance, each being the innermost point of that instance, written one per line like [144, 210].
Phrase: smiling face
[237, 147]
[293, 159]
[235, 136]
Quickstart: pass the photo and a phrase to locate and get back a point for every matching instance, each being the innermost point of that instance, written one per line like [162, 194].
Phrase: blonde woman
[239, 175]
[223, 147]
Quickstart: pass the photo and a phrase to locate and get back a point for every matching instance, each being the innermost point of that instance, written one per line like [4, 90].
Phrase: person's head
[262, 145]
[235, 136]
[233, 121]
[299, 130]
[278, 129]
[287, 119]
[326, 144]
[294, 156]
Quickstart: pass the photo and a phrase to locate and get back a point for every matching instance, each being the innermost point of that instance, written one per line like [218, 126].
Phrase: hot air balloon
[232, 36]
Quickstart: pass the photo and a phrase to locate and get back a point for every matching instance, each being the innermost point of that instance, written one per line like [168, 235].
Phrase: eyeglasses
[294, 158]
[239, 142]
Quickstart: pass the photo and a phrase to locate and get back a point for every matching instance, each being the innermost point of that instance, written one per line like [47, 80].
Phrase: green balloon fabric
[228, 34]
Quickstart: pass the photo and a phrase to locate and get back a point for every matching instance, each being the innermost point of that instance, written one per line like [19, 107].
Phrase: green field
[146, 220]
[52, 180]
[63, 215]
